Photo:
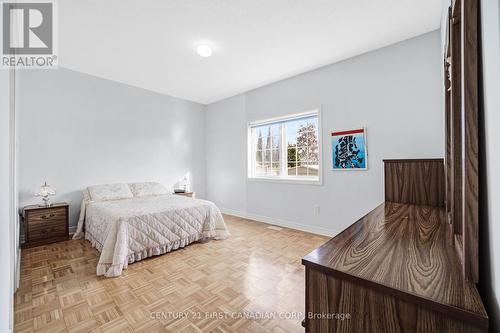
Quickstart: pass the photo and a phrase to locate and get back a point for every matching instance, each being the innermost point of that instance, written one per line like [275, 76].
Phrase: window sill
[286, 180]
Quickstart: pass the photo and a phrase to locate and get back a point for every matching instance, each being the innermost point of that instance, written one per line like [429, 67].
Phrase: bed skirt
[111, 270]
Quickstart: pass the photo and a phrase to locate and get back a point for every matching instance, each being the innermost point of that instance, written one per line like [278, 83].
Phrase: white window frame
[285, 178]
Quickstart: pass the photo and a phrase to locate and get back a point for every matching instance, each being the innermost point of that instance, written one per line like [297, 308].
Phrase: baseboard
[282, 223]
[233, 212]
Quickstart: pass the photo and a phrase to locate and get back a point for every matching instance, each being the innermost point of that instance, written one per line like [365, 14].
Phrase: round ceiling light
[204, 50]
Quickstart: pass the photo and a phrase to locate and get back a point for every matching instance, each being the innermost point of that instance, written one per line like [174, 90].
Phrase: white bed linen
[128, 230]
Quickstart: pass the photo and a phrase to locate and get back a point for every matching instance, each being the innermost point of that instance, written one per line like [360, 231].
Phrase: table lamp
[45, 192]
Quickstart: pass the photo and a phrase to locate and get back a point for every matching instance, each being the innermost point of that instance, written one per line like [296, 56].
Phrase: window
[287, 148]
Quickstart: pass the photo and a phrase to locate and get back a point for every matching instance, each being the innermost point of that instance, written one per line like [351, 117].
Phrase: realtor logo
[28, 34]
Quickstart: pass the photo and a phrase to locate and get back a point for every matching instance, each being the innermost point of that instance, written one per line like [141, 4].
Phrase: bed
[131, 222]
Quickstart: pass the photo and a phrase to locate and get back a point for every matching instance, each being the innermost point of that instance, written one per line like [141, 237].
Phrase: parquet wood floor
[247, 283]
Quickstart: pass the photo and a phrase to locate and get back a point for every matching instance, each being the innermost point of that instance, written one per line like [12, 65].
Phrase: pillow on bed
[147, 189]
[110, 192]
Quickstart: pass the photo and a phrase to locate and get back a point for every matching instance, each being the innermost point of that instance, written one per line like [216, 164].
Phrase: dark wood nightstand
[187, 194]
[45, 225]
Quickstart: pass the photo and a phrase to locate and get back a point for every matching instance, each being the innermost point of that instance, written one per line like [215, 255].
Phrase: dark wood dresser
[412, 264]
[45, 225]
[395, 269]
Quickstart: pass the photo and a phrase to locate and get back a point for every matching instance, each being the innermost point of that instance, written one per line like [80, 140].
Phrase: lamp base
[45, 205]
[46, 202]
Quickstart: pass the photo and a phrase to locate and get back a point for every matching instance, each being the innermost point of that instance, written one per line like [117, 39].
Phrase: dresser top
[39, 207]
[402, 249]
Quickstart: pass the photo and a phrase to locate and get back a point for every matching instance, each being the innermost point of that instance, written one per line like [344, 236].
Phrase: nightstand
[45, 225]
[187, 194]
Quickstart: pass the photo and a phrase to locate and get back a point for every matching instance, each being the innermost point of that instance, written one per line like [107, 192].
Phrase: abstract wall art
[349, 150]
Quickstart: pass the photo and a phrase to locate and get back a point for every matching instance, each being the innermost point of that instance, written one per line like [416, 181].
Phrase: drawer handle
[46, 217]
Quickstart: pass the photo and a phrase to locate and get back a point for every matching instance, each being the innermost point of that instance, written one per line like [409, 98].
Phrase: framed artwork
[349, 150]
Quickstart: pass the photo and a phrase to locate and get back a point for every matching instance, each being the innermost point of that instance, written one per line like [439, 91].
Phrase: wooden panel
[456, 121]
[456, 8]
[470, 137]
[418, 182]
[448, 161]
[402, 250]
[448, 152]
[368, 310]
[447, 128]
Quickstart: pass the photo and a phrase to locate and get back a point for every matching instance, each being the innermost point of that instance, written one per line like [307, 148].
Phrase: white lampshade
[45, 192]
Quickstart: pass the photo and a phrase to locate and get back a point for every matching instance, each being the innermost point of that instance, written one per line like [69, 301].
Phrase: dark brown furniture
[411, 264]
[419, 182]
[45, 225]
[461, 116]
[395, 270]
[187, 194]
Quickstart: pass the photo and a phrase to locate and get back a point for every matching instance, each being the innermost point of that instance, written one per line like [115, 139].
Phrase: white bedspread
[132, 229]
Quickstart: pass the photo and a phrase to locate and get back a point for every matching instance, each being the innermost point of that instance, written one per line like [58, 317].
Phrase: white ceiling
[151, 43]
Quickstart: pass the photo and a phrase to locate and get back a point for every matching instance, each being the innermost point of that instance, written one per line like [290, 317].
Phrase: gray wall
[490, 161]
[394, 91]
[7, 246]
[78, 130]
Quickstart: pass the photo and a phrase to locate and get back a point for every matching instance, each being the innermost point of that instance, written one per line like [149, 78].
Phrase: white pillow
[147, 189]
[110, 192]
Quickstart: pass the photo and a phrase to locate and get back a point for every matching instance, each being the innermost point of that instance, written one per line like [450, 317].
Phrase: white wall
[78, 130]
[394, 91]
[7, 247]
[490, 185]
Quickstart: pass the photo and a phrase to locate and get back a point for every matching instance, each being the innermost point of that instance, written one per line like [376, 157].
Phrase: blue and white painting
[349, 150]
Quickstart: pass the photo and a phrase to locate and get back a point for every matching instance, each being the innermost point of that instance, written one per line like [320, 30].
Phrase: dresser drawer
[50, 229]
[42, 216]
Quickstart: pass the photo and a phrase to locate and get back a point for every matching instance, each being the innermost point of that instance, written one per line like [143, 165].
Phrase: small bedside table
[45, 225]
[187, 194]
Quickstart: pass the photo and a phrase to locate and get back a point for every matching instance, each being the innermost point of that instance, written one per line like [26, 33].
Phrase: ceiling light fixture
[204, 50]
